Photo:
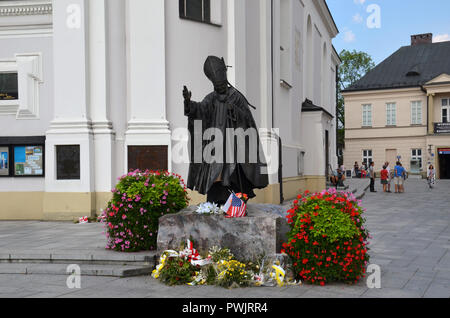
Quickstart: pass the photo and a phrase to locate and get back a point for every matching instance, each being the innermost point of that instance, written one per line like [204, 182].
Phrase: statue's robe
[230, 110]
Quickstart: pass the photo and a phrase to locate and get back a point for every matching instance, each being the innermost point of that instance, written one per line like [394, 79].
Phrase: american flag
[235, 207]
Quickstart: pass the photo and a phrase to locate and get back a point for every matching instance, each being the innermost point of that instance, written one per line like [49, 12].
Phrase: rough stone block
[262, 232]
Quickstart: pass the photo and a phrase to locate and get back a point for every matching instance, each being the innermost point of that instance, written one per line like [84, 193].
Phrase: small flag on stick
[235, 207]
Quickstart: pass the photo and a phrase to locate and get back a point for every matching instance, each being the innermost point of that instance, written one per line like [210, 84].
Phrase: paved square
[411, 243]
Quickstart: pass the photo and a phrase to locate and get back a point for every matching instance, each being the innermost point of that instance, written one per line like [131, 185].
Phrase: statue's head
[216, 70]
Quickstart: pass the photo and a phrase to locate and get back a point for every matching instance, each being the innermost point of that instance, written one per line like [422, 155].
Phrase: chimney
[418, 39]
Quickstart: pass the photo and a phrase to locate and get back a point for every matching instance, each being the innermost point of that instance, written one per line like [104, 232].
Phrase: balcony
[441, 128]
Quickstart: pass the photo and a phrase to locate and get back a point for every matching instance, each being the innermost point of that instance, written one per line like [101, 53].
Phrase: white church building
[90, 89]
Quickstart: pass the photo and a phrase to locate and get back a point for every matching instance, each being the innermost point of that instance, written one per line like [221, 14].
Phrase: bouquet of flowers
[221, 268]
[243, 197]
[83, 220]
[209, 208]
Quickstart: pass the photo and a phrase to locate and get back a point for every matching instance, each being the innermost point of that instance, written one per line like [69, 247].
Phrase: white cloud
[359, 1]
[349, 36]
[441, 38]
[357, 18]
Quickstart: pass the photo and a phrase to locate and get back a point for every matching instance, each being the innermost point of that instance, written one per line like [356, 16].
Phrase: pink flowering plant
[140, 198]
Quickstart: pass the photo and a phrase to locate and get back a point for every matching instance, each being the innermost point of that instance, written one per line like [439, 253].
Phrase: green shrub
[177, 271]
[328, 240]
[139, 200]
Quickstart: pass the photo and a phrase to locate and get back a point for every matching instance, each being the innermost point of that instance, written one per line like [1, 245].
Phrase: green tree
[354, 66]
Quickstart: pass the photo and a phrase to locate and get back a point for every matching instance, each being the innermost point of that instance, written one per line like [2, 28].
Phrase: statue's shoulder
[208, 98]
[237, 97]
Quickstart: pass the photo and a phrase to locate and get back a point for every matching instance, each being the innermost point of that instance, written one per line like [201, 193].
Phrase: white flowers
[208, 208]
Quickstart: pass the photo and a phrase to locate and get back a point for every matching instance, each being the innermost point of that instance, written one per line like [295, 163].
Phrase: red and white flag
[235, 207]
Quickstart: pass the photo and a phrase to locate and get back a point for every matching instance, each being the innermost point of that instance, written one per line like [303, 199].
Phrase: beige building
[401, 110]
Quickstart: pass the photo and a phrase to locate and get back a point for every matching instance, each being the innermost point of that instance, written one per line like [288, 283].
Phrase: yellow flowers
[232, 272]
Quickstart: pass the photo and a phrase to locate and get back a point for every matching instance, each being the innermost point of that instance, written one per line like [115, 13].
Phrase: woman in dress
[431, 176]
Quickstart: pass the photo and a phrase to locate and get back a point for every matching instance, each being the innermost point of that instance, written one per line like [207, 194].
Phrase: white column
[147, 123]
[71, 124]
[236, 44]
[266, 64]
[99, 96]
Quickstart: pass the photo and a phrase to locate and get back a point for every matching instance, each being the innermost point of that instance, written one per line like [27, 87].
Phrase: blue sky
[398, 20]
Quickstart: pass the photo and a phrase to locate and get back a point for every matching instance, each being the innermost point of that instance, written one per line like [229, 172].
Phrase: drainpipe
[337, 114]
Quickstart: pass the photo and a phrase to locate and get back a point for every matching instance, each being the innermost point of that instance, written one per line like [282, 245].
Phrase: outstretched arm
[192, 109]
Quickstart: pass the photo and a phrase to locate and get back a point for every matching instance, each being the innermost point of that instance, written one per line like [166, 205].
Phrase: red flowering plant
[131, 218]
[328, 240]
[243, 197]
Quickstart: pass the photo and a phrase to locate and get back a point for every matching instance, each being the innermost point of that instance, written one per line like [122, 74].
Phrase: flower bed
[139, 200]
[220, 268]
[328, 240]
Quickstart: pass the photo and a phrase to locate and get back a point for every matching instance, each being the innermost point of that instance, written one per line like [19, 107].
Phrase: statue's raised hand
[187, 94]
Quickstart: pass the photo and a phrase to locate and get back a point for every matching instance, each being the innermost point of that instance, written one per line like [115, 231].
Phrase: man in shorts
[399, 173]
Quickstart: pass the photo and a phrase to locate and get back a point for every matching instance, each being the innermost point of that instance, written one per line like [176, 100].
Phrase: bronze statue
[224, 109]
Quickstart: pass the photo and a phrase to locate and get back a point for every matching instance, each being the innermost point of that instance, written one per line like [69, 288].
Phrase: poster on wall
[4, 161]
[28, 161]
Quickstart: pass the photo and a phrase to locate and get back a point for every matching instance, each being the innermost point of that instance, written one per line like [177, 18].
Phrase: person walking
[431, 176]
[372, 176]
[384, 178]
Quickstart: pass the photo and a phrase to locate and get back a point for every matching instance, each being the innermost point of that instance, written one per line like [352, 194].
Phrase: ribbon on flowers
[162, 262]
[190, 252]
[279, 275]
[202, 262]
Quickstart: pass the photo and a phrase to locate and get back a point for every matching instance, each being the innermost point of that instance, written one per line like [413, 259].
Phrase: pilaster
[147, 123]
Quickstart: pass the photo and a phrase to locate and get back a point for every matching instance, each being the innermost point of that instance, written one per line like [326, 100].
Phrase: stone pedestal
[261, 233]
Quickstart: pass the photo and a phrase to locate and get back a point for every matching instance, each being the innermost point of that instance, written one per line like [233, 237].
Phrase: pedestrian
[356, 170]
[372, 176]
[399, 173]
[431, 176]
[405, 177]
[388, 168]
[337, 177]
[384, 174]
[363, 170]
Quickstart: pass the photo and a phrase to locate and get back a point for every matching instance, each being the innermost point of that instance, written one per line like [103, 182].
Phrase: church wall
[188, 44]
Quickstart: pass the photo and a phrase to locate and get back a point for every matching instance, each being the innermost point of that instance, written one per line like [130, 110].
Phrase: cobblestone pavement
[411, 245]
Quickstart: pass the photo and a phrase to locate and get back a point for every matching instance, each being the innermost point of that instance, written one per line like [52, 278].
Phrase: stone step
[96, 257]
[344, 188]
[86, 270]
[92, 263]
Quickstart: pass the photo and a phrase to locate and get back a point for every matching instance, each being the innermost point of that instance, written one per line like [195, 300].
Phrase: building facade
[400, 110]
[92, 89]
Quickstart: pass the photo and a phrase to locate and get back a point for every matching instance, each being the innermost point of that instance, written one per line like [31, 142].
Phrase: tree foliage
[354, 66]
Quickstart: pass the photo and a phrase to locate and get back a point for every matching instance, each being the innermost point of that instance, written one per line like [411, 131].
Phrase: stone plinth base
[261, 233]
